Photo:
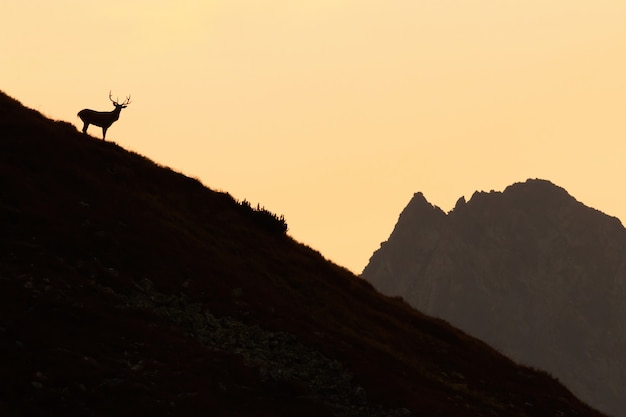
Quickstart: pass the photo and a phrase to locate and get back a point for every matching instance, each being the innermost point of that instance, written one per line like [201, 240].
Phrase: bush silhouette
[265, 218]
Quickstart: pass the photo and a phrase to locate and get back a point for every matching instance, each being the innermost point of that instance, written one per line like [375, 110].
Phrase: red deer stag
[104, 119]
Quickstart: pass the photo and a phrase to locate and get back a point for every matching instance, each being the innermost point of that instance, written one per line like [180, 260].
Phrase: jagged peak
[529, 191]
[419, 211]
[531, 194]
[459, 203]
[543, 193]
[420, 205]
[538, 186]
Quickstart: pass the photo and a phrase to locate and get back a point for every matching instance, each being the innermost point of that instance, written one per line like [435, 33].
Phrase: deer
[103, 119]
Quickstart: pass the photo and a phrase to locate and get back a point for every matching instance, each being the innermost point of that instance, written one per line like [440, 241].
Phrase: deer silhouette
[103, 119]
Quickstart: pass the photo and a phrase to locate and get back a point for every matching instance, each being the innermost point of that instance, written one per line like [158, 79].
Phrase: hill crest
[127, 288]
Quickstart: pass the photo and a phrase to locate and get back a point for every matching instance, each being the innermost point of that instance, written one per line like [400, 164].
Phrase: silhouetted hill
[128, 289]
[531, 271]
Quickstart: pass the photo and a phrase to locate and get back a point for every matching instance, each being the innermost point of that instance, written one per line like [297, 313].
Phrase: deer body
[103, 119]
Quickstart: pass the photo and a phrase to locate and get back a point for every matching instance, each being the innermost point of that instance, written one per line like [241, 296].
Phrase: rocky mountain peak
[533, 195]
[530, 270]
[419, 209]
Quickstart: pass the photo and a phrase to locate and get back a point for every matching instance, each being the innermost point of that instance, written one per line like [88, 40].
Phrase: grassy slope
[110, 263]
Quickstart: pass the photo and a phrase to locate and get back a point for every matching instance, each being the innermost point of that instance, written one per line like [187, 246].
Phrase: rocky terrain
[129, 289]
[530, 270]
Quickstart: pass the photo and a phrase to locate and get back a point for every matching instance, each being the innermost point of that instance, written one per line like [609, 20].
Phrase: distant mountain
[530, 270]
[127, 289]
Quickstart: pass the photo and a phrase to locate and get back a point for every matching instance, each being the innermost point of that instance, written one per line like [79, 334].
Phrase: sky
[334, 113]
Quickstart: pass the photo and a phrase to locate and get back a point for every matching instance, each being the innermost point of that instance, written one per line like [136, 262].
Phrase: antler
[125, 103]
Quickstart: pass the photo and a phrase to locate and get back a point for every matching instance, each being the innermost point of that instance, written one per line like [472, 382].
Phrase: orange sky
[334, 113]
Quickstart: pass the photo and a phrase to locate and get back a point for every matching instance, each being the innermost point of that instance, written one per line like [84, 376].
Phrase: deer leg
[104, 132]
[86, 125]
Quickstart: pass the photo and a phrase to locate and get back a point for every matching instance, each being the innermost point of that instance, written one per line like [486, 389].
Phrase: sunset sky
[333, 113]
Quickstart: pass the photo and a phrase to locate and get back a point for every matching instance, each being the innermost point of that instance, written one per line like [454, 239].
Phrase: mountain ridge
[127, 288]
[530, 270]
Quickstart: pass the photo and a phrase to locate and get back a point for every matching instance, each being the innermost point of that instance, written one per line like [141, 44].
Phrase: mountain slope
[127, 288]
[532, 271]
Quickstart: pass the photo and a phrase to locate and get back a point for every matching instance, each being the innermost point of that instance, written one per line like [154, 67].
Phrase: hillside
[129, 289]
[531, 271]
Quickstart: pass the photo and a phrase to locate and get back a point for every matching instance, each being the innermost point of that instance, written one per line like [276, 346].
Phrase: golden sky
[333, 113]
